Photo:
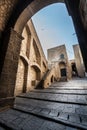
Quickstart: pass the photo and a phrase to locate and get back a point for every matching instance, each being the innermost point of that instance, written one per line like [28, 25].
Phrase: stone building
[79, 61]
[32, 63]
[58, 58]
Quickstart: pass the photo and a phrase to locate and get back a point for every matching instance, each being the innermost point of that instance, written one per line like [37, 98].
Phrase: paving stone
[63, 116]
[18, 121]
[74, 118]
[23, 115]
[37, 110]
[54, 113]
[23, 123]
[45, 111]
[52, 126]
[84, 120]
[69, 109]
[70, 128]
[30, 108]
[8, 117]
[81, 110]
[33, 124]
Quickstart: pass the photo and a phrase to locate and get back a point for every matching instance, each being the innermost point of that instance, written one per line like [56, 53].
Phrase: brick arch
[37, 70]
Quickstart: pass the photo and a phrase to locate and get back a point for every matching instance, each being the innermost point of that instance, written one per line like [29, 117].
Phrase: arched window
[62, 56]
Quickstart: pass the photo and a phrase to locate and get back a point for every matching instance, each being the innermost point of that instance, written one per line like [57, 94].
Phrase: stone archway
[21, 80]
[17, 19]
[35, 75]
[63, 71]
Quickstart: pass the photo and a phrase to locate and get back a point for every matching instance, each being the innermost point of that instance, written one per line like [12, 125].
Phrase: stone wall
[56, 56]
[6, 8]
[79, 61]
[83, 12]
[8, 75]
[20, 78]
[35, 60]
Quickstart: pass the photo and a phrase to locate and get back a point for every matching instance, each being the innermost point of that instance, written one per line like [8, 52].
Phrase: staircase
[63, 106]
[41, 83]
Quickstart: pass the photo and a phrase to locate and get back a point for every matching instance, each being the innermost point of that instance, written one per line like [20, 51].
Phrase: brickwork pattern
[6, 7]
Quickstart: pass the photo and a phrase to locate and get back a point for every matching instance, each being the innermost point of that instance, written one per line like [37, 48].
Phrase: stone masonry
[31, 58]
[57, 57]
[79, 61]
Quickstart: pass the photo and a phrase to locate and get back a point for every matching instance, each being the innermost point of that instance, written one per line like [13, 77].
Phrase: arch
[30, 7]
[35, 75]
[21, 12]
[62, 56]
[35, 64]
[62, 62]
[36, 67]
[25, 61]
[62, 66]
[21, 79]
[27, 10]
[74, 69]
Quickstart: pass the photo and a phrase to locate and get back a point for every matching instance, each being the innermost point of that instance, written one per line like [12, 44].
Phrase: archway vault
[30, 10]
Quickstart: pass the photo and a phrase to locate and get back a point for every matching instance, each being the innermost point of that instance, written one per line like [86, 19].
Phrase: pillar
[9, 70]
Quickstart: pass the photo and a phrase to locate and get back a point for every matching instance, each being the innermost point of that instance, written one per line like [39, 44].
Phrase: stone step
[64, 118]
[65, 107]
[62, 98]
[54, 91]
[18, 119]
[67, 88]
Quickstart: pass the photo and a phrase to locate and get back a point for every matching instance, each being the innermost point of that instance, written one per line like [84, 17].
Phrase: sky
[54, 27]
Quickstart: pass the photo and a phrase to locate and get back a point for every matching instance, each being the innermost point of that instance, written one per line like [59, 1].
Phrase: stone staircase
[63, 106]
[41, 83]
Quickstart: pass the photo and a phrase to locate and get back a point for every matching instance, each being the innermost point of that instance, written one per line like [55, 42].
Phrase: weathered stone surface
[84, 120]
[32, 64]
[6, 8]
[7, 80]
[74, 118]
[63, 116]
[25, 112]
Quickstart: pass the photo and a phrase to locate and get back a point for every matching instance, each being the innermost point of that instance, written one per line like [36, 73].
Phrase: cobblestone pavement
[62, 106]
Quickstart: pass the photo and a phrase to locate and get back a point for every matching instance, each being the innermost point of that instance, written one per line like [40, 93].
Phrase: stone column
[6, 9]
[8, 75]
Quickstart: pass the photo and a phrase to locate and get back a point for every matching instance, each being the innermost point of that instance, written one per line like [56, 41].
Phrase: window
[62, 56]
